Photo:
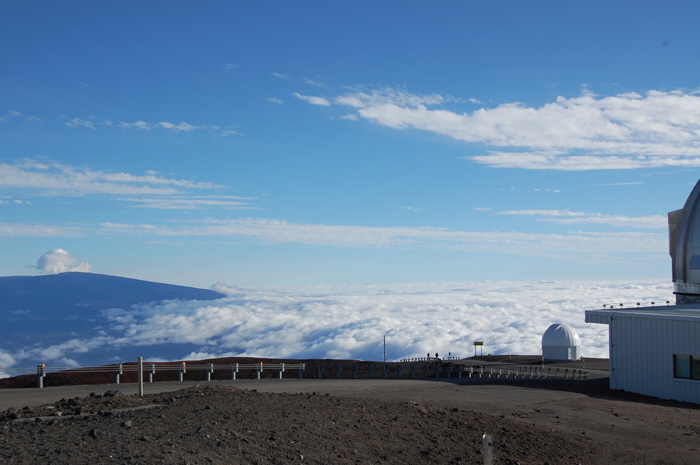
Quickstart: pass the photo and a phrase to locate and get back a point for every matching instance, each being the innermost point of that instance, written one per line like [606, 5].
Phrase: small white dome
[560, 335]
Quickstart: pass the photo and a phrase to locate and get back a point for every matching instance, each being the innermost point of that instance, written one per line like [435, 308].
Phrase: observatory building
[561, 342]
[656, 350]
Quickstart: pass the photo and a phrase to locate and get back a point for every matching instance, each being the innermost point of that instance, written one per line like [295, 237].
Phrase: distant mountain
[53, 309]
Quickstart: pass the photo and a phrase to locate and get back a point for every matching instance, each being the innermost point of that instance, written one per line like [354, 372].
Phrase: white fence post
[140, 377]
[40, 374]
[488, 449]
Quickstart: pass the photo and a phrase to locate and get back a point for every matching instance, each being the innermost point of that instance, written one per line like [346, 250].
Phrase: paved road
[453, 392]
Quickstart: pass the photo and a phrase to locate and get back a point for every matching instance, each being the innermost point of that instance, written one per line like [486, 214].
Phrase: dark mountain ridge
[52, 309]
[66, 291]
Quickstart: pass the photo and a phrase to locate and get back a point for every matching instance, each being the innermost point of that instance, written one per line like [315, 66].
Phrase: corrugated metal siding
[593, 317]
[641, 355]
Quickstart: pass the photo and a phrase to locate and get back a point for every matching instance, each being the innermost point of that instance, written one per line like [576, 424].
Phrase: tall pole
[140, 377]
[385, 348]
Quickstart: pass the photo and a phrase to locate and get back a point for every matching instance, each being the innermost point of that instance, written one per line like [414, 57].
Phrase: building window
[686, 367]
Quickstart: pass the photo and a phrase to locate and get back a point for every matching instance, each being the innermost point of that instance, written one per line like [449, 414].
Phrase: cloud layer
[281, 232]
[351, 321]
[624, 131]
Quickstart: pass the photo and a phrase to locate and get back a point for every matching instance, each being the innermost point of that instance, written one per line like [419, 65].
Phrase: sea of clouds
[350, 322]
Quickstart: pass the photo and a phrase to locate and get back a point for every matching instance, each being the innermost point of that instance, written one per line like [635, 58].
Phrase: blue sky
[313, 143]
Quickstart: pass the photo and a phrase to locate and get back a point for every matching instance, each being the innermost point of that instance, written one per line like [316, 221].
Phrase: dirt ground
[358, 422]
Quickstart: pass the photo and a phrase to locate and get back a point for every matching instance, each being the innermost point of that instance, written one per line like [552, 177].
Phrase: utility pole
[385, 348]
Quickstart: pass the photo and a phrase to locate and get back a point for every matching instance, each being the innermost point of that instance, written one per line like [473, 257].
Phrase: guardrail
[431, 359]
[181, 368]
[369, 370]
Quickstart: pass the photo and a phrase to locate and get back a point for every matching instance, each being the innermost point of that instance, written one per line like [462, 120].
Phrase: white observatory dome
[561, 342]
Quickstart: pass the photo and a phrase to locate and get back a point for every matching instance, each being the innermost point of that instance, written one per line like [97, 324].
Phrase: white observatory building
[656, 350]
[561, 342]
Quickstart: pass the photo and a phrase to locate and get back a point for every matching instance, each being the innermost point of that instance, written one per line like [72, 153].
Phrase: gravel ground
[227, 425]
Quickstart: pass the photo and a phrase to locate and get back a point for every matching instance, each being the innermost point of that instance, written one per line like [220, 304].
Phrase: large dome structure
[561, 342]
[684, 247]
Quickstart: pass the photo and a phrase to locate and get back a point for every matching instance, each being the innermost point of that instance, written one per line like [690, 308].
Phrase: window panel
[681, 366]
[695, 367]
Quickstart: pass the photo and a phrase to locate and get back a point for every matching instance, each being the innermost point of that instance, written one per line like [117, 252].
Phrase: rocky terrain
[226, 425]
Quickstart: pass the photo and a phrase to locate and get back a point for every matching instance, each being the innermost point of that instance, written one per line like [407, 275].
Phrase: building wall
[561, 352]
[641, 355]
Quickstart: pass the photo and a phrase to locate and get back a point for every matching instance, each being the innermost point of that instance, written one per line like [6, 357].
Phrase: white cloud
[230, 66]
[60, 261]
[192, 203]
[14, 114]
[55, 178]
[6, 361]
[314, 83]
[87, 123]
[275, 100]
[625, 131]
[620, 184]
[542, 212]
[280, 75]
[569, 217]
[138, 124]
[350, 321]
[38, 230]
[351, 117]
[183, 126]
[312, 100]
[280, 232]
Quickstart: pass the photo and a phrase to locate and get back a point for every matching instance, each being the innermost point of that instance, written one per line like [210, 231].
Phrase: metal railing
[385, 371]
[150, 369]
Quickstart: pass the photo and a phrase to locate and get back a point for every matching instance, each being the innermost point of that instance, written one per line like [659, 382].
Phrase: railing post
[210, 370]
[234, 370]
[258, 370]
[140, 377]
[40, 374]
[488, 449]
[281, 370]
[301, 370]
[182, 371]
[117, 373]
[151, 372]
